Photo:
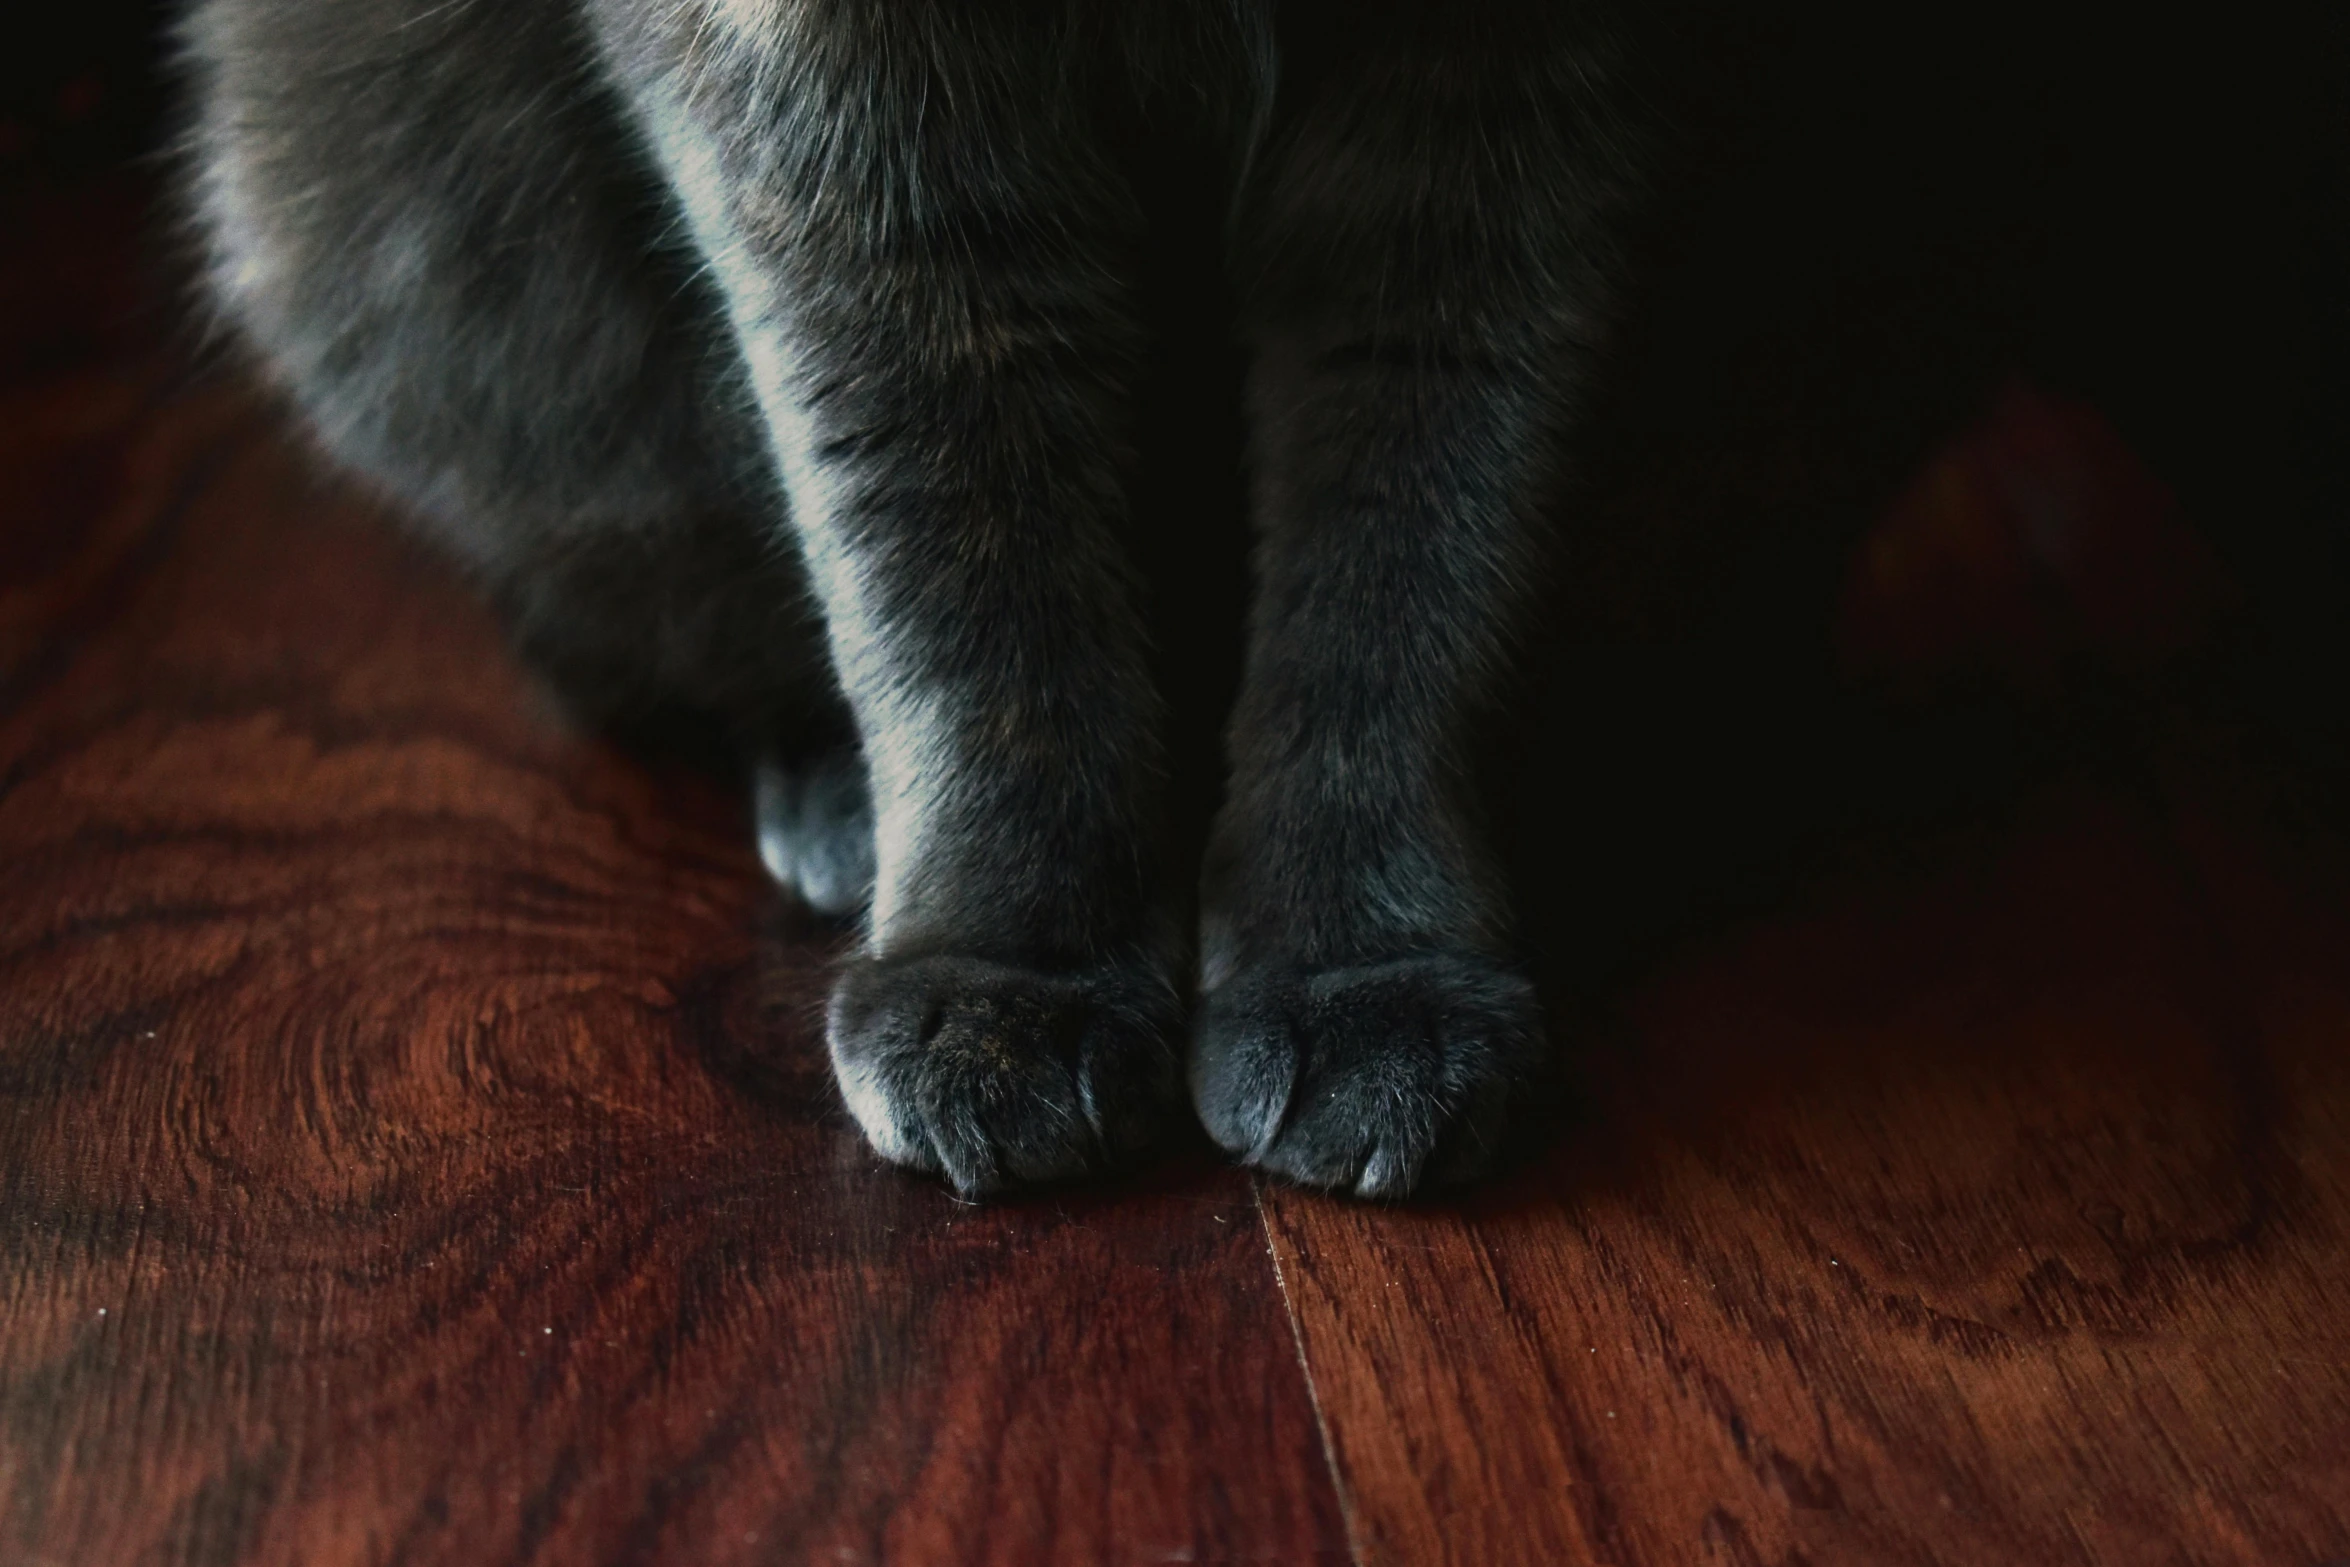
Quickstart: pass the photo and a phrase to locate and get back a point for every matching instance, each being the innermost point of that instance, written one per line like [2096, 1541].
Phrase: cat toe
[1379, 1079]
[815, 825]
[995, 1076]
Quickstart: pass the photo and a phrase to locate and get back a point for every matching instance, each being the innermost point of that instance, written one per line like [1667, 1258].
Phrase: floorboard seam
[1297, 1336]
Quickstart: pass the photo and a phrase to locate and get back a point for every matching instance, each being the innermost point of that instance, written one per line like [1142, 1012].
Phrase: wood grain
[1995, 1211]
[415, 1140]
[416, 1145]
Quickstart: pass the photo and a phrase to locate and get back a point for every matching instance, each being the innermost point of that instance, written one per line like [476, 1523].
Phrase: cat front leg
[922, 259]
[1423, 256]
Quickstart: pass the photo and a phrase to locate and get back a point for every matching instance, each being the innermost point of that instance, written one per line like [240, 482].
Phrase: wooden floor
[416, 1146]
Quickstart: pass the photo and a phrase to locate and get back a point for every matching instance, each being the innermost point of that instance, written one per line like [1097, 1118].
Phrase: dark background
[1866, 225]
[417, 1139]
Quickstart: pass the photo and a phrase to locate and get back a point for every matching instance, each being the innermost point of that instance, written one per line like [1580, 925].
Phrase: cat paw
[815, 824]
[1380, 1079]
[995, 1076]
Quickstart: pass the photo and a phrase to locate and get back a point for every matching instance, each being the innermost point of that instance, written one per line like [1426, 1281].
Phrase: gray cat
[775, 359]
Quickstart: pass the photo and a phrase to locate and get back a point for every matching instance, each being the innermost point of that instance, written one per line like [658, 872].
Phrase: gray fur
[773, 361]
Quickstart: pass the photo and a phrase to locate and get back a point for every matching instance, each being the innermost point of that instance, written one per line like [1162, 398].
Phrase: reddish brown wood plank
[411, 1150]
[1996, 1215]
